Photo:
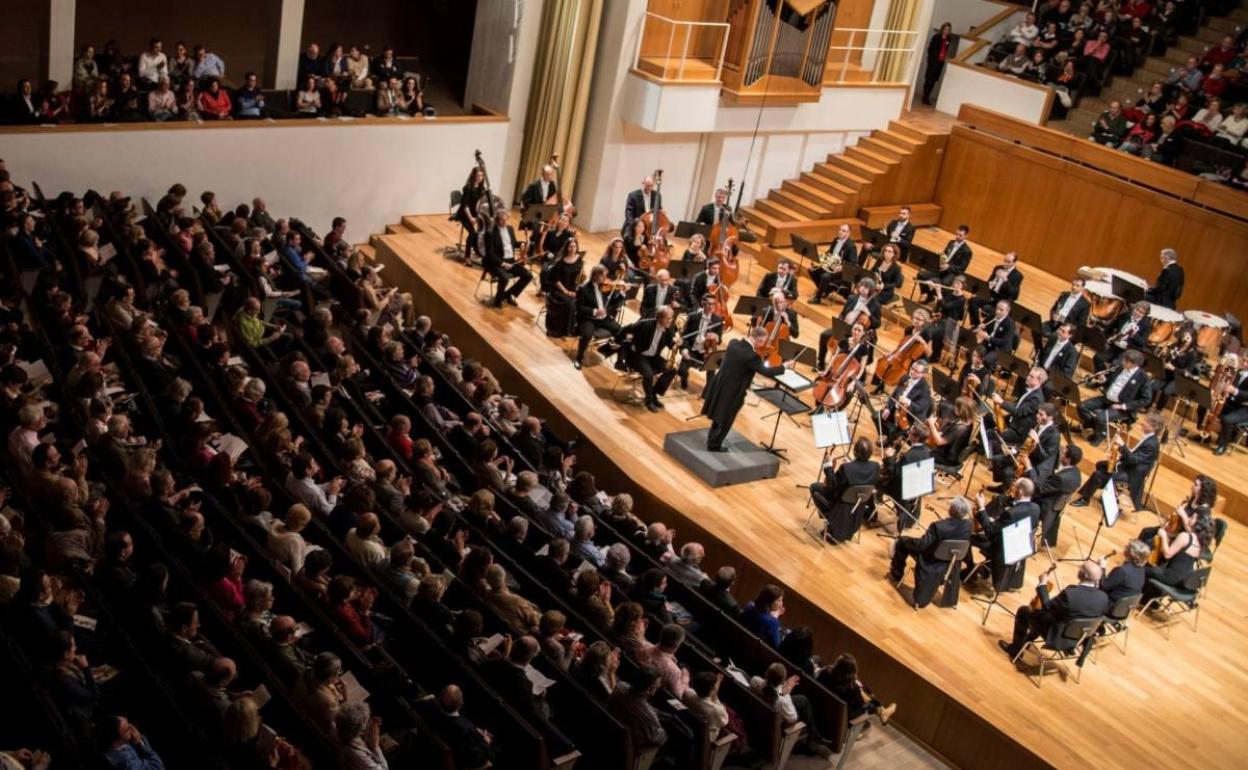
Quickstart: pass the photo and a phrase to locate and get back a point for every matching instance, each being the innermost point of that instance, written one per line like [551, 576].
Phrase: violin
[1037, 603]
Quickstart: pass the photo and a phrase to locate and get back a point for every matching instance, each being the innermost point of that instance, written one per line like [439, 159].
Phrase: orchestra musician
[1041, 459]
[1180, 553]
[900, 231]
[543, 190]
[619, 267]
[1022, 413]
[1081, 601]
[470, 196]
[705, 282]
[595, 310]
[916, 451]
[843, 520]
[889, 273]
[1126, 393]
[779, 309]
[695, 251]
[1178, 358]
[635, 240]
[554, 240]
[998, 334]
[1203, 494]
[912, 397]
[1135, 462]
[857, 344]
[954, 260]
[726, 392]
[928, 570]
[500, 261]
[704, 328]
[863, 305]
[1006, 283]
[719, 210]
[643, 200]
[643, 343]
[1235, 411]
[1130, 333]
[1053, 489]
[951, 435]
[920, 327]
[560, 281]
[783, 279]
[1060, 354]
[1071, 307]
[1128, 578]
[663, 292]
[951, 307]
[1015, 506]
[977, 367]
[1169, 285]
[827, 281]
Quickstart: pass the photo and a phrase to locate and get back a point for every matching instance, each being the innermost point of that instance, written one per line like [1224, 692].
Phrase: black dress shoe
[1004, 645]
[510, 300]
[1096, 440]
[1080, 503]
[653, 407]
[577, 364]
[1221, 450]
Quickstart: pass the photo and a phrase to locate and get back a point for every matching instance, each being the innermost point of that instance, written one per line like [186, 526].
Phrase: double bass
[657, 218]
[564, 205]
[723, 243]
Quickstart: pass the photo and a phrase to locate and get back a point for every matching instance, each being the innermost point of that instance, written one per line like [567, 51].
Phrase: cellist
[855, 347]
[779, 311]
[918, 333]
[910, 402]
[863, 307]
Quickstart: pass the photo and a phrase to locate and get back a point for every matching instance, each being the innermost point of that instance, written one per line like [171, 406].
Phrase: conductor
[726, 393]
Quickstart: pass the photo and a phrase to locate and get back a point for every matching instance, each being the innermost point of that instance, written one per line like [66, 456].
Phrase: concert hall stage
[1168, 703]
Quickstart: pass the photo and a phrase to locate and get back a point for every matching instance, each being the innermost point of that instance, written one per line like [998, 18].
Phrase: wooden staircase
[897, 165]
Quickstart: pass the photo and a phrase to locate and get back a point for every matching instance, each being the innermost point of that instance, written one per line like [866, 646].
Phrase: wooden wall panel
[1060, 215]
[23, 43]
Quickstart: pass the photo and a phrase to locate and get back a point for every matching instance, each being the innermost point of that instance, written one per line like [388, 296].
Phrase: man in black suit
[928, 570]
[827, 281]
[913, 394]
[1127, 579]
[908, 510]
[594, 311]
[1061, 353]
[718, 591]
[1131, 333]
[698, 287]
[1071, 307]
[645, 341]
[507, 677]
[900, 230]
[501, 247]
[1235, 411]
[1052, 488]
[541, 190]
[714, 212]
[1043, 456]
[954, 260]
[1081, 601]
[1135, 462]
[1022, 413]
[641, 201]
[1126, 392]
[784, 279]
[1009, 510]
[1169, 286]
[998, 333]
[843, 519]
[1007, 281]
[24, 105]
[661, 293]
[471, 746]
[726, 393]
[701, 325]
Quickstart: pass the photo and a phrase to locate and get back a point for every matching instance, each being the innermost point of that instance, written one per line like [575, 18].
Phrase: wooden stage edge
[958, 694]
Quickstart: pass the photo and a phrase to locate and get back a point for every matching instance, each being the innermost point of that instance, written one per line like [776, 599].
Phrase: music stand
[1191, 393]
[1108, 498]
[1025, 316]
[684, 269]
[852, 274]
[978, 287]
[1093, 337]
[1017, 545]
[830, 430]
[806, 250]
[533, 215]
[783, 396]
[945, 386]
[1018, 367]
[795, 352]
[924, 259]
[1155, 367]
[687, 230]
[751, 306]
[911, 306]
[966, 341]
[1129, 292]
[1067, 391]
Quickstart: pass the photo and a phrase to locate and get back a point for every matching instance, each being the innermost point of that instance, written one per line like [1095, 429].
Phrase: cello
[723, 242]
[895, 365]
[769, 349]
[833, 386]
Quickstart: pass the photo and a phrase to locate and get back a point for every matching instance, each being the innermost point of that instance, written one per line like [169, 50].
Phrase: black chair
[953, 551]
[1176, 602]
[1117, 622]
[1074, 635]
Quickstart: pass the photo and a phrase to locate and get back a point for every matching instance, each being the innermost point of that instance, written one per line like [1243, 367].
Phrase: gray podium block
[744, 461]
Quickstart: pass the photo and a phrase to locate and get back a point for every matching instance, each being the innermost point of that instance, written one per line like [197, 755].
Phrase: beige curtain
[559, 97]
[891, 66]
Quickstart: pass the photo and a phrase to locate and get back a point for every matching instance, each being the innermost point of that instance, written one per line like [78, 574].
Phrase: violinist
[1130, 333]
[888, 271]
[645, 200]
[1055, 488]
[696, 250]
[784, 279]
[894, 459]
[910, 402]
[542, 190]
[1071, 307]
[636, 242]
[560, 280]
[919, 332]
[779, 311]
[998, 333]
[500, 261]
[843, 520]
[862, 310]
[1126, 393]
[616, 260]
[1009, 509]
[555, 239]
[1022, 413]
[662, 293]
[1045, 444]
[949, 437]
[928, 571]
[643, 343]
[706, 282]
[1005, 284]
[470, 197]
[951, 308]
[954, 260]
[976, 376]
[1128, 578]
[703, 330]
[1083, 600]
[1203, 494]
[703, 321]
[1060, 354]
[595, 310]
[1178, 358]
[826, 275]
[1135, 463]
[718, 211]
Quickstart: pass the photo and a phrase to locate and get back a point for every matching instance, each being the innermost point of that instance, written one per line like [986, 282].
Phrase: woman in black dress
[473, 192]
[889, 272]
[952, 434]
[951, 306]
[696, 251]
[560, 283]
[1180, 554]
[634, 241]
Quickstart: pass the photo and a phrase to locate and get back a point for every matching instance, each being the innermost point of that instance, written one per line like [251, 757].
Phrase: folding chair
[490, 282]
[1177, 602]
[1117, 621]
[948, 475]
[953, 551]
[1075, 633]
[457, 251]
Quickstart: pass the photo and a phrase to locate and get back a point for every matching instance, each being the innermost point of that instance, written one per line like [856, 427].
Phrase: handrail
[908, 48]
[688, 26]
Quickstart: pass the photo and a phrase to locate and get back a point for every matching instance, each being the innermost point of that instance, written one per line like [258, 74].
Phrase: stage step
[884, 148]
[829, 203]
[860, 170]
[846, 178]
[411, 223]
[368, 250]
[778, 210]
[873, 157]
[921, 215]
[897, 138]
[808, 209]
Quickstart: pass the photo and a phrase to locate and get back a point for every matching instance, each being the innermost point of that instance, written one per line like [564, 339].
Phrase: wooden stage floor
[1168, 703]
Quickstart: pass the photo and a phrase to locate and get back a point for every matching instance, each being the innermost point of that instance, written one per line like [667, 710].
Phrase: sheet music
[355, 691]
[918, 479]
[36, 371]
[232, 445]
[793, 380]
[1016, 542]
[983, 439]
[541, 683]
[1109, 503]
[830, 429]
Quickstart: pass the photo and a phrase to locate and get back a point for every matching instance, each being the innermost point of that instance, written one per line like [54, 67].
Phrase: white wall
[369, 173]
[972, 85]
[964, 14]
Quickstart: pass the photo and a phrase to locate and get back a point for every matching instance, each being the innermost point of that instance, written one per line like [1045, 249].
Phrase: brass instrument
[831, 262]
[1223, 376]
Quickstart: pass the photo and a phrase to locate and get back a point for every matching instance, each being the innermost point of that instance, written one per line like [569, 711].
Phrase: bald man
[1082, 600]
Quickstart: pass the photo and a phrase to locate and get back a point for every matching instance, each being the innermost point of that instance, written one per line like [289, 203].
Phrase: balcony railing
[681, 51]
[870, 55]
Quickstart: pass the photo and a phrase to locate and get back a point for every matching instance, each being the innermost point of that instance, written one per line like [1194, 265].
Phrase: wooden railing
[1171, 182]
